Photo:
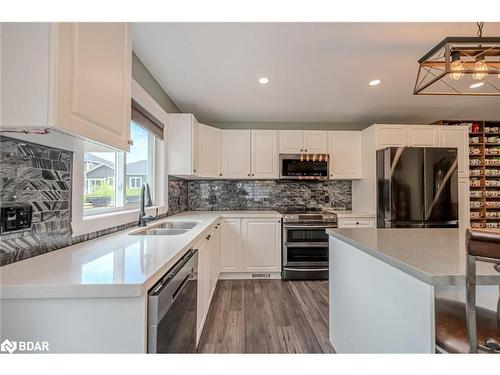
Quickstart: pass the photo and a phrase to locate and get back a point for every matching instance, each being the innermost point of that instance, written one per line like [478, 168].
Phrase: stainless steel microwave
[304, 166]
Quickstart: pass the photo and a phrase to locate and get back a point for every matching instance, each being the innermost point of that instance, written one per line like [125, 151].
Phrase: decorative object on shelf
[461, 66]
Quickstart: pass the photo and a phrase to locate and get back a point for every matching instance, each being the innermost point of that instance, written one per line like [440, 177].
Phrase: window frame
[122, 184]
[108, 218]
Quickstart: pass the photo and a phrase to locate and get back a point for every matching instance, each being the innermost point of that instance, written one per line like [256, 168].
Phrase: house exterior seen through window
[113, 180]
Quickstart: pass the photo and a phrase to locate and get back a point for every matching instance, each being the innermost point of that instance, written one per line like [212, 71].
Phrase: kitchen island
[383, 284]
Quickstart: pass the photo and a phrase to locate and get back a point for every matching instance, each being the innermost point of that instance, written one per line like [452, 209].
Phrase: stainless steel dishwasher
[172, 304]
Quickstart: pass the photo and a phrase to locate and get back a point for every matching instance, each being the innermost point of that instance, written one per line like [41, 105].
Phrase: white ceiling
[319, 71]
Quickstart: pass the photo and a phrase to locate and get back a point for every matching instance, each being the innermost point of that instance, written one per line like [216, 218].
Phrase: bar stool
[465, 328]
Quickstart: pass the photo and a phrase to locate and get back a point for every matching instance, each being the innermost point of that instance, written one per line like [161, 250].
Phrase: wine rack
[484, 171]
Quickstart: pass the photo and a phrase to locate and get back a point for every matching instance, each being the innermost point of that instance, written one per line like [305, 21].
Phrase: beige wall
[144, 78]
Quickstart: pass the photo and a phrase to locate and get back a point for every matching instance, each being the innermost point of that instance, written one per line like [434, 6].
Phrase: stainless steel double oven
[305, 247]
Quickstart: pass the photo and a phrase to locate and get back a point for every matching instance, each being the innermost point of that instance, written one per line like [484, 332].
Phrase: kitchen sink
[168, 228]
[177, 225]
[160, 232]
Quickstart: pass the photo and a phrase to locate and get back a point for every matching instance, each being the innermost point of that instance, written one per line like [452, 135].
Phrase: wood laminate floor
[267, 316]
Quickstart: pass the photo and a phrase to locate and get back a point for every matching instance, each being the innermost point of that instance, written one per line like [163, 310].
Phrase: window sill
[94, 223]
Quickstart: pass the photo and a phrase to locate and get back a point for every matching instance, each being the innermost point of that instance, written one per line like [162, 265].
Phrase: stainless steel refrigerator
[417, 187]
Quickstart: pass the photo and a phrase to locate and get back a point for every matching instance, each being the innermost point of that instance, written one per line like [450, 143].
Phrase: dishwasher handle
[162, 295]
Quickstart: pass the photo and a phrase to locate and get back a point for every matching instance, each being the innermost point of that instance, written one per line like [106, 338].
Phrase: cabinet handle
[253, 174]
[220, 174]
[194, 170]
[208, 237]
[305, 150]
[357, 222]
[130, 142]
[301, 150]
[249, 174]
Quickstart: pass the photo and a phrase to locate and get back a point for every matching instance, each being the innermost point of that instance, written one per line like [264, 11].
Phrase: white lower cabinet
[208, 274]
[202, 307]
[231, 256]
[261, 245]
[236, 246]
[357, 222]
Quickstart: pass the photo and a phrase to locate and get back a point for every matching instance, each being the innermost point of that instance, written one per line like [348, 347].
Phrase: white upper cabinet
[209, 151]
[391, 136]
[302, 141]
[344, 148]
[261, 245]
[69, 77]
[291, 141]
[183, 144]
[264, 152]
[422, 136]
[236, 154]
[315, 141]
[457, 136]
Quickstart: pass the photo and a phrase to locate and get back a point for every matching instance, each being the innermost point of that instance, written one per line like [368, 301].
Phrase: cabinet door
[344, 148]
[463, 203]
[261, 245]
[291, 141]
[391, 136]
[202, 286]
[209, 146]
[457, 136]
[195, 141]
[94, 81]
[236, 153]
[231, 255]
[422, 136]
[264, 154]
[315, 141]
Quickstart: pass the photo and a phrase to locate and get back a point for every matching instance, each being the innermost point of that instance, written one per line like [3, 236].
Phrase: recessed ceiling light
[375, 82]
[264, 80]
[476, 85]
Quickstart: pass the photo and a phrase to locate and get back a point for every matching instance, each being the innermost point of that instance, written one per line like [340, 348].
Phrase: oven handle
[305, 269]
[305, 244]
[306, 226]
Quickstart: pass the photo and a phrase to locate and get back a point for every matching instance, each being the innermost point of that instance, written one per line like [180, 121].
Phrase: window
[113, 180]
[135, 182]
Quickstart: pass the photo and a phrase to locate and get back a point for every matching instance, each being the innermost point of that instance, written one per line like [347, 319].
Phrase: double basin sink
[168, 228]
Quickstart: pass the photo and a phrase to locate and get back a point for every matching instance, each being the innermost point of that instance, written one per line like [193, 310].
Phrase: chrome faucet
[145, 202]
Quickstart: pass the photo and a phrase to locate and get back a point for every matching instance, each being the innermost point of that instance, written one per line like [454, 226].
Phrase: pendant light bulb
[456, 66]
[479, 70]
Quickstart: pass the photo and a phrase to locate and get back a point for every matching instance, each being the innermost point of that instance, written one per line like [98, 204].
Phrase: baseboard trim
[250, 276]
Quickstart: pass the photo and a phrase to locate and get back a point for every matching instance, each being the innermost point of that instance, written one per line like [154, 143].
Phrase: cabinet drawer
[355, 223]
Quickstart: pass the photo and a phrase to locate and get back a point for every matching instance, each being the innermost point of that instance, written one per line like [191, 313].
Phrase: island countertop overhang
[434, 256]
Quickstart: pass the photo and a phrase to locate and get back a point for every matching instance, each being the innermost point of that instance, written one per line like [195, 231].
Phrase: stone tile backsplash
[41, 176]
[269, 194]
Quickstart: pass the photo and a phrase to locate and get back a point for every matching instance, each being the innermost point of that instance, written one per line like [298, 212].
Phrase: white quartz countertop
[434, 256]
[116, 265]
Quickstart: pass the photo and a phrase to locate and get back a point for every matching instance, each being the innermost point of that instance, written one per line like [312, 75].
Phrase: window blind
[146, 120]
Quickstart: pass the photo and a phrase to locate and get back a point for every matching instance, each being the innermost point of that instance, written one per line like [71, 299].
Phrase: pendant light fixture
[461, 66]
